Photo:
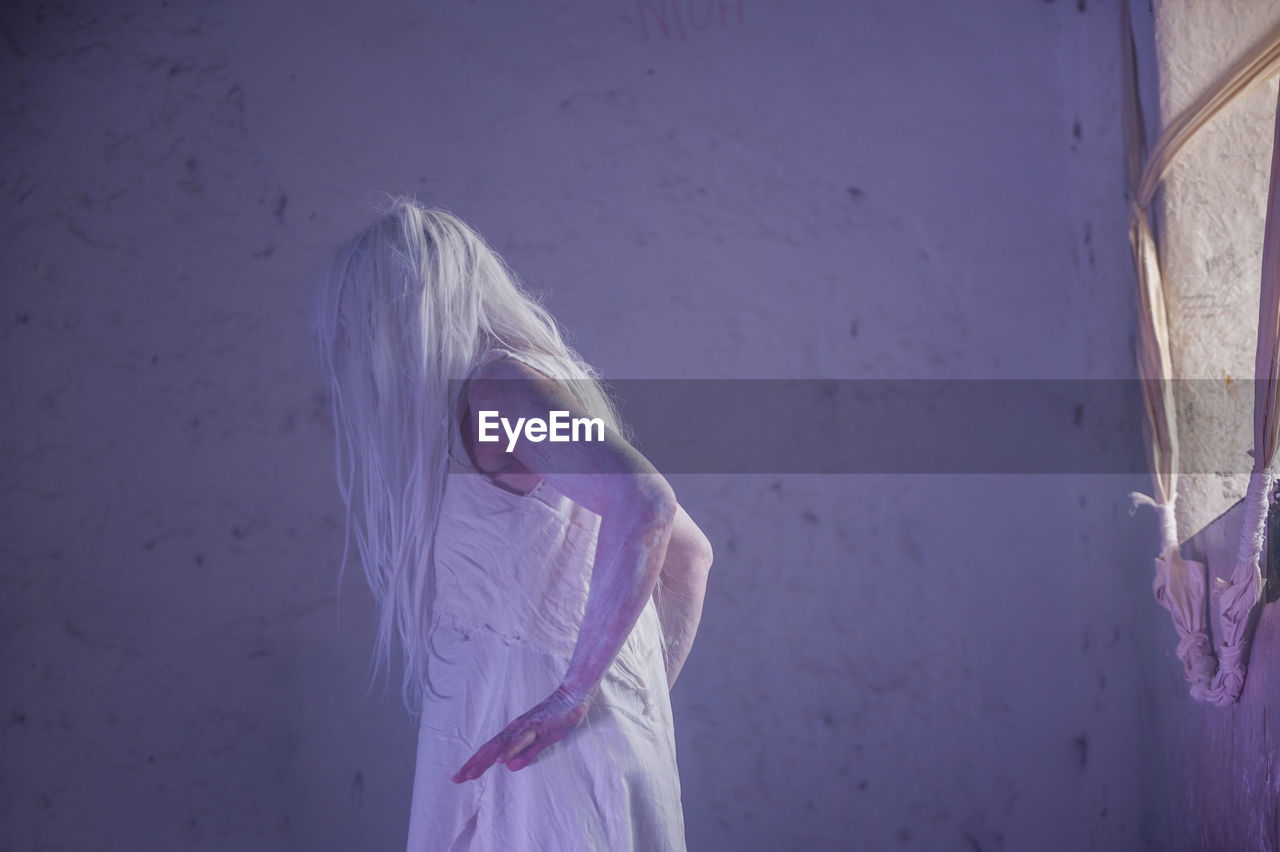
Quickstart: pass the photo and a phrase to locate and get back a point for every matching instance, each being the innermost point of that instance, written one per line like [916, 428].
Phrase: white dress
[512, 574]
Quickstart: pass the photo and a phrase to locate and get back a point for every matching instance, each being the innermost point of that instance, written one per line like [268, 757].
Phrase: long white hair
[405, 309]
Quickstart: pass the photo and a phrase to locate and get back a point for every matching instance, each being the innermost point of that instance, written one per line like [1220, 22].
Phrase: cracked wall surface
[743, 190]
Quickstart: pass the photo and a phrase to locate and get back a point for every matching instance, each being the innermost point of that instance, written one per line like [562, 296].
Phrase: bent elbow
[656, 502]
[707, 554]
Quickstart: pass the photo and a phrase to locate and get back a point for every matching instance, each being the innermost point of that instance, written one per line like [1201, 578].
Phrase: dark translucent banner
[920, 426]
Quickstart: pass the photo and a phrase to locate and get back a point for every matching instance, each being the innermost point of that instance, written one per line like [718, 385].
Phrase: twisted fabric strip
[1179, 586]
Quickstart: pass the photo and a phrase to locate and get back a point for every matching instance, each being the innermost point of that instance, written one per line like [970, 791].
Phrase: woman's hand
[523, 740]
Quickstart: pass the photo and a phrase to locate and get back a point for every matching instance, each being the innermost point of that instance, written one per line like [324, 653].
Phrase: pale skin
[645, 538]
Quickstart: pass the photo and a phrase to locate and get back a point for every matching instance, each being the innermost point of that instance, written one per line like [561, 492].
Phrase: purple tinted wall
[741, 189]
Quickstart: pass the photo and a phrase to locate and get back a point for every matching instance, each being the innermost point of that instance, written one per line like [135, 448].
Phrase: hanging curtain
[1214, 675]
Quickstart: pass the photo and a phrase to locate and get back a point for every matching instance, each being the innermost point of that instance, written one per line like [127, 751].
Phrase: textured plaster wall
[749, 188]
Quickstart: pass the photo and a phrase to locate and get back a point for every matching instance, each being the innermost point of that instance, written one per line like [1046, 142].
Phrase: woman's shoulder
[500, 364]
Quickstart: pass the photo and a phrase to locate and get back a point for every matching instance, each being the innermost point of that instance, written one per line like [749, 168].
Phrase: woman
[544, 595]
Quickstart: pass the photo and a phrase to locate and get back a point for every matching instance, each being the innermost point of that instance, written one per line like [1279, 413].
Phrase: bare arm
[637, 509]
[681, 589]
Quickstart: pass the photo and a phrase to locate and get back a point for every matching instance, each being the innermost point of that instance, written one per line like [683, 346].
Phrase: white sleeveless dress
[512, 574]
